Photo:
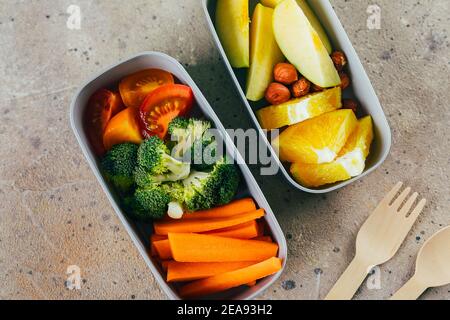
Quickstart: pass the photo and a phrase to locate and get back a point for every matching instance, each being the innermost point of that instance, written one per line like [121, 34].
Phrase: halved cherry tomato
[137, 86]
[124, 127]
[162, 106]
[102, 106]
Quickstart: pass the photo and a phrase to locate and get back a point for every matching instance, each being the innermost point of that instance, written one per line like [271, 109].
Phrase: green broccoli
[155, 163]
[148, 203]
[118, 166]
[193, 139]
[204, 190]
[155, 200]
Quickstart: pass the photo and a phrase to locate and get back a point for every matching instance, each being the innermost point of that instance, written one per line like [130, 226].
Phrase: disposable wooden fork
[379, 239]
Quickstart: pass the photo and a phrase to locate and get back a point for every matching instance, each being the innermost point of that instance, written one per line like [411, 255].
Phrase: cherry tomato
[135, 88]
[102, 106]
[162, 106]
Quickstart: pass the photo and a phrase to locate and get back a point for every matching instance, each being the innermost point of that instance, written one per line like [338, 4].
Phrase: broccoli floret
[155, 162]
[118, 166]
[177, 124]
[193, 139]
[148, 203]
[204, 190]
[229, 182]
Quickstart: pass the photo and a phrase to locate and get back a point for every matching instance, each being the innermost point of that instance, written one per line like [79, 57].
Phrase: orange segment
[351, 161]
[298, 110]
[361, 138]
[316, 140]
[124, 127]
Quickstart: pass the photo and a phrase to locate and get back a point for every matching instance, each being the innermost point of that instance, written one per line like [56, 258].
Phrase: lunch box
[140, 232]
[362, 90]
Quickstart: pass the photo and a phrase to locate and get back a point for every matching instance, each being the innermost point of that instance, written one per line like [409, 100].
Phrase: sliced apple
[311, 17]
[302, 45]
[298, 110]
[264, 53]
[316, 24]
[233, 28]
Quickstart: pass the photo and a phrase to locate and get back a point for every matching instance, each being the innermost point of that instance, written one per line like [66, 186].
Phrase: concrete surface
[54, 215]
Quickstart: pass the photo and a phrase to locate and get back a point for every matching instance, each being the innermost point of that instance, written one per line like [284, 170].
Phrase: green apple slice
[302, 45]
[311, 17]
[264, 53]
[316, 24]
[233, 28]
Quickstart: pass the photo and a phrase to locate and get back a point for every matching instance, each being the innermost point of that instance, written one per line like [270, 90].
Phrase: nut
[339, 60]
[285, 73]
[345, 80]
[301, 88]
[350, 104]
[277, 93]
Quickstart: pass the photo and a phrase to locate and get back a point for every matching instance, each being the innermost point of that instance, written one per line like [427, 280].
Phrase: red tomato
[162, 106]
[102, 106]
[135, 88]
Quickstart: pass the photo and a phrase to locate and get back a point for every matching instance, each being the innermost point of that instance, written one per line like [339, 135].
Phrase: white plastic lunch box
[140, 232]
[362, 90]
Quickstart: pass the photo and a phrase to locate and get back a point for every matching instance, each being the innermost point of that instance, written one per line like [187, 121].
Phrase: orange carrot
[189, 247]
[251, 284]
[185, 271]
[231, 209]
[163, 250]
[202, 225]
[264, 238]
[231, 279]
[153, 239]
[246, 230]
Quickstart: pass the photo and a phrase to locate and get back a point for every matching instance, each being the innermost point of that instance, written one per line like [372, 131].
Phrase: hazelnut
[301, 88]
[316, 88]
[339, 60]
[277, 93]
[350, 104]
[345, 80]
[285, 73]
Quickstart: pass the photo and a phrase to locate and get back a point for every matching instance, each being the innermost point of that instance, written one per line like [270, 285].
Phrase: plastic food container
[140, 232]
[362, 90]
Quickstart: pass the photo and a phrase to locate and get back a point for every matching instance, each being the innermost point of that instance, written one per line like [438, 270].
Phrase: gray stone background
[53, 213]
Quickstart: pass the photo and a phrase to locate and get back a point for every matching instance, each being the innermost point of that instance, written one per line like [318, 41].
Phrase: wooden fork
[379, 239]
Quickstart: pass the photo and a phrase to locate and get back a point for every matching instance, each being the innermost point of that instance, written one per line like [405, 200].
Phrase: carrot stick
[163, 250]
[202, 225]
[182, 271]
[231, 279]
[231, 209]
[188, 247]
[265, 238]
[153, 239]
[246, 230]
